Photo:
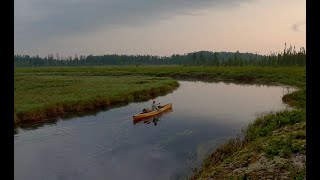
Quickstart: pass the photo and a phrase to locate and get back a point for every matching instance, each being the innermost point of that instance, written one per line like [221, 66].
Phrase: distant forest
[289, 57]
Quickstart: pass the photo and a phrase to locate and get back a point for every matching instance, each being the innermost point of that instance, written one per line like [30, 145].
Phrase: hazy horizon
[162, 27]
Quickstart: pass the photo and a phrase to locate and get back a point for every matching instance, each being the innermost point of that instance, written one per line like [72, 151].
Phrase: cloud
[297, 26]
[40, 20]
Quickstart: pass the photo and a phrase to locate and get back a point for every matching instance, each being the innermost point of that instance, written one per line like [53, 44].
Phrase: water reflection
[155, 120]
[36, 125]
[65, 117]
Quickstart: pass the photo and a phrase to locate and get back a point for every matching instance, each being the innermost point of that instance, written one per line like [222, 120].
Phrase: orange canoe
[149, 114]
[151, 117]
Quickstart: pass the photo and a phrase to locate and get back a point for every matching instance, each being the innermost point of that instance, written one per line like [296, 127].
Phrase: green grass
[41, 96]
[276, 136]
[263, 126]
[249, 74]
[296, 99]
[277, 147]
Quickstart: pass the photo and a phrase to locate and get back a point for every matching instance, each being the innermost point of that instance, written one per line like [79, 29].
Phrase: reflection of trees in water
[36, 125]
[287, 90]
[65, 117]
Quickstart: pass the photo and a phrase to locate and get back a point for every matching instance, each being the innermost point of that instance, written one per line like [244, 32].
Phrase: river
[109, 145]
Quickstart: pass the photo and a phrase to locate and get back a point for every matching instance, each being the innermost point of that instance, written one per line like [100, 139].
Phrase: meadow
[39, 97]
[248, 74]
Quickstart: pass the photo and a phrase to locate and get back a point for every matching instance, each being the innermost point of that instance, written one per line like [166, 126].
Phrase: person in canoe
[154, 106]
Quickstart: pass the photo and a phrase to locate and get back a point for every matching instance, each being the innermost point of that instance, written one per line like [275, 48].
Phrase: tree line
[289, 57]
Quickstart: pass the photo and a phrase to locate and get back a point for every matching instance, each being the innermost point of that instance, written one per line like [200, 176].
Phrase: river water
[109, 145]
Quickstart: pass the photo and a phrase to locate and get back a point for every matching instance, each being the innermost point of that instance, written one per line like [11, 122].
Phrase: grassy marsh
[47, 96]
[248, 74]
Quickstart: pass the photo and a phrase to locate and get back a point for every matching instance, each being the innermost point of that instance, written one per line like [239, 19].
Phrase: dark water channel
[109, 145]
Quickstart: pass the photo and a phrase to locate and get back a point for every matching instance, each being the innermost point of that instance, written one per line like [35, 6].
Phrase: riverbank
[273, 146]
[41, 97]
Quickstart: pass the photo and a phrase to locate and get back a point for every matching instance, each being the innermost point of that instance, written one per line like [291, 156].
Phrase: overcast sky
[157, 27]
